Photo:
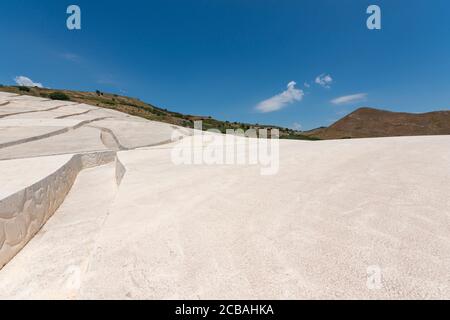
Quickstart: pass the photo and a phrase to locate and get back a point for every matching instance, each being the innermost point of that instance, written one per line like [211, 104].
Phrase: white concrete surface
[144, 133]
[7, 95]
[21, 173]
[7, 108]
[33, 127]
[66, 241]
[310, 231]
[145, 228]
[23, 212]
[84, 139]
[30, 199]
[11, 134]
[17, 121]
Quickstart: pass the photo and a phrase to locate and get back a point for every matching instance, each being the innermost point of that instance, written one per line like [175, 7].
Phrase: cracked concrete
[74, 114]
[15, 127]
[4, 115]
[31, 128]
[67, 239]
[145, 228]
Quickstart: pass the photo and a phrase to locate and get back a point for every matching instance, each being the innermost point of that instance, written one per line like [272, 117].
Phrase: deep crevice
[105, 131]
[75, 114]
[50, 134]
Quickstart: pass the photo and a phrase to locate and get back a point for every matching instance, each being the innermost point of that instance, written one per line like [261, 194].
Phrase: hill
[362, 123]
[136, 107]
[369, 123]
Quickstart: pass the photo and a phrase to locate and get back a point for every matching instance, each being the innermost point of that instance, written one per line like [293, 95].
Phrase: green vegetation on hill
[58, 96]
[138, 108]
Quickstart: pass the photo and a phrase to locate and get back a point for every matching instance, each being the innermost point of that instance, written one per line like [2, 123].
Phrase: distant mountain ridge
[369, 123]
[362, 123]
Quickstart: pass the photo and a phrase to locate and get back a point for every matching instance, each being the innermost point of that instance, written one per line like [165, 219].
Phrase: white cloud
[324, 80]
[282, 99]
[71, 56]
[307, 85]
[296, 126]
[353, 98]
[27, 82]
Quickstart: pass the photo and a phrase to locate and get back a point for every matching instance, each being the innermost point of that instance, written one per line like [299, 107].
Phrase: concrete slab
[10, 134]
[13, 108]
[110, 114]
[310, 231]
[118, 115]
[27, 123]
[24, 212]
[334, 211]
[133, 134]
[74, 141]
[67, 241]
[30, 118]
[16, 175]
[52, 112]
[28, 99]
[6, 95]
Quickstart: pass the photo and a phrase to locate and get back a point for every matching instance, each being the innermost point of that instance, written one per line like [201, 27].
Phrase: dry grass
[136, 107]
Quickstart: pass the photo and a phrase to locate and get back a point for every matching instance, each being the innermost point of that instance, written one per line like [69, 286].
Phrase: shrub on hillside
[23, 88]
[58, 96]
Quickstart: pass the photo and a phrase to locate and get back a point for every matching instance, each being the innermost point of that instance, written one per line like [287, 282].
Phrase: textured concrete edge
[24, 213]
[120, 170]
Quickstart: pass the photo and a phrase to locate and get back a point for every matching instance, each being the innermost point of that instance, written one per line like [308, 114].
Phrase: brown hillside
[368, 122]
[148, 111]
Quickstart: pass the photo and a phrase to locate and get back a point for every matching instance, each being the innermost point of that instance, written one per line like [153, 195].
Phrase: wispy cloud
[296, 126]
[27, 82]
[70, 56]
[106, 81]
[353, 98]
[282, 99]
[324, 80]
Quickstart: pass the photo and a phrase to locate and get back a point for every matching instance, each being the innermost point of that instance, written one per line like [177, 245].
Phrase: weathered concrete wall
[120, 170]
[22, 214]
[94, 159]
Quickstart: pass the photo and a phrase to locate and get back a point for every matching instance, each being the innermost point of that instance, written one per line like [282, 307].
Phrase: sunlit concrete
[31, 126]
[21, 173]
[335, 209]
[62, 250]
[146, 228]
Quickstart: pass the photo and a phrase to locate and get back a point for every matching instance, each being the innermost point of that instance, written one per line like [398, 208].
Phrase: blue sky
[226, 58]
